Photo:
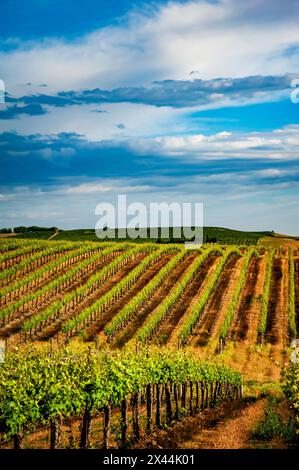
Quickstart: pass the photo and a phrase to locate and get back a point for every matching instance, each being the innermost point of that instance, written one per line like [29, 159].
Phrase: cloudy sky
[186, 101]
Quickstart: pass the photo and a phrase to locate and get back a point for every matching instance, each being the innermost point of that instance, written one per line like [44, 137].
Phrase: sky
[164, 101]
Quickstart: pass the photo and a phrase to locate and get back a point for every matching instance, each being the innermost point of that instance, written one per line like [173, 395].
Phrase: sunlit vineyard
[124, 293]
[143, 325]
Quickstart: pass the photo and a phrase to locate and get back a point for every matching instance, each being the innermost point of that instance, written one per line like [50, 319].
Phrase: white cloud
[139, 120]
[280, 144]
[227, 38]
[105, 186]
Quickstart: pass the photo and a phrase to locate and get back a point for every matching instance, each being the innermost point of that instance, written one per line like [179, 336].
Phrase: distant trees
[34, 228]
[5, 230]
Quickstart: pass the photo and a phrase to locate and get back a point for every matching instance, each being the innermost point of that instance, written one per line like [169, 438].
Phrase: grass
[274, 426]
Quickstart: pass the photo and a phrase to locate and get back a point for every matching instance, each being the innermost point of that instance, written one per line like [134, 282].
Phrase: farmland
[227, 305]
[123, 293]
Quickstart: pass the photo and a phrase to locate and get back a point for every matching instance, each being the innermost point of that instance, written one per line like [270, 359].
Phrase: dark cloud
[48, 160]
[174, 93]
[14, 111]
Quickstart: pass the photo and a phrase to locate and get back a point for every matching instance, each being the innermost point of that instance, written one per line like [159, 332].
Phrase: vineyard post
[184, 396]
[86, 427]
[168, 404]
[106, 426]
[207, 396]
[136, 416]
[176, 402]
[55, 435]
[202, 395]
[18, 441]
[124, 426]
[158, 412]
[212, 393]
[197, 397]
[191, 398]
[149, 407]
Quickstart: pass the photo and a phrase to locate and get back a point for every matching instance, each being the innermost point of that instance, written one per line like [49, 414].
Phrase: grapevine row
[266, 293]
[38, 258]
[232, 309]
[50, 387]
[52, 288]
[104, 302]
[70, 299]
[196, 312]
[22, 285]
[159, 315]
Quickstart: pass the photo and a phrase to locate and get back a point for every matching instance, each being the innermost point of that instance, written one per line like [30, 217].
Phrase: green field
[210, 235]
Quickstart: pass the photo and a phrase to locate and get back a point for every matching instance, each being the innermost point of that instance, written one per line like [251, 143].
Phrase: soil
[242, 320]
[227, 426]
[193, 289]
[128, 333]
[213, 312]
[99, 324]
[55, 326]
[276, 329]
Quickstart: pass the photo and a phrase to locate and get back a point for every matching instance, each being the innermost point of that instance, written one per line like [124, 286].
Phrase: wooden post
[106, 427]
[207, 396]
[168, 404]
[184, 396]
[158, 411]
[197, 397]
[136, 416]
[18, 441]
[202, 395]
[124, 426]
[149, 408]
[86, 427]
[55, 435]
[191, 399]
[176, 402]
[212, 394]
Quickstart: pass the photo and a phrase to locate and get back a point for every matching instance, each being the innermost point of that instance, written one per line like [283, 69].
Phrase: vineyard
[135, 332]
[125, 293]
[125, 394]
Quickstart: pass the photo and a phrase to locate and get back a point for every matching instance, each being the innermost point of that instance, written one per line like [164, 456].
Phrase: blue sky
[164, 101]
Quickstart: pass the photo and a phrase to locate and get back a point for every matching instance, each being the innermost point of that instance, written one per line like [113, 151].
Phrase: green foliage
[36, 390]
[98, 307]
[232, 308]
[272, 425]
[195, 314]
[153, 321]
[291, 390]
[127, 312]
[266, 293]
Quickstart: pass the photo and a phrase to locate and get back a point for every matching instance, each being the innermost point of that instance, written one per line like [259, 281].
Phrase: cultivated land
[237, 305]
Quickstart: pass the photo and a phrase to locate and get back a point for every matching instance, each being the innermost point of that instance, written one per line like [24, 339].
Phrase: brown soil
[165, 331]
[55, 326]
[227, 426]
[17, 258]
[277, 329]
[124, 336]
[211, 317]
[14, 325]
[245, 310]
[42, 281]
[99, 324]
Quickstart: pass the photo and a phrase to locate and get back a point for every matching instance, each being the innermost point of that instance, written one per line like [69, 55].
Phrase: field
[234, 305]
[210, 235]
